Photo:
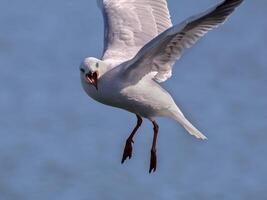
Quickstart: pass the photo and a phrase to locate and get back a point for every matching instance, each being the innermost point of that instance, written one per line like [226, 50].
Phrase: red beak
[92, 78]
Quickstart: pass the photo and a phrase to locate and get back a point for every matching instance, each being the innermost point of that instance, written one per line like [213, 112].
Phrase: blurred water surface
[56, 143]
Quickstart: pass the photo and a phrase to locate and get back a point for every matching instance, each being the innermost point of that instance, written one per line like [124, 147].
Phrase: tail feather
[193, 130]
[178, 116]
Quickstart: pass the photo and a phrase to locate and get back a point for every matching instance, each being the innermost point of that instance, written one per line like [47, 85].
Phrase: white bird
[140, 47]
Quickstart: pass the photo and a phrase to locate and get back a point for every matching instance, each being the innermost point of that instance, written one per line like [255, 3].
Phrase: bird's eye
[82, 70]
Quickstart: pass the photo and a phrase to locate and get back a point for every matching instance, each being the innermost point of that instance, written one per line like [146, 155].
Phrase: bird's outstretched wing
[158, 56]
[130, 24]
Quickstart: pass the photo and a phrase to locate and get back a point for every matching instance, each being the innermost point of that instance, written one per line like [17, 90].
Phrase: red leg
[128, 146]
[153, 158]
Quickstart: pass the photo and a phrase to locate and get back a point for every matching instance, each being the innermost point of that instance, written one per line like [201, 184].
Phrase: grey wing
[159, 55]
[130, 24]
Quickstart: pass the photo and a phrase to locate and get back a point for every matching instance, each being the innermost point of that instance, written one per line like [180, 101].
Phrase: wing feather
[160, 54]
[130, 24]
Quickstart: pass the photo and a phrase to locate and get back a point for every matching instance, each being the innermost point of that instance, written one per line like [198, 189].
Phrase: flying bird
[140, 48]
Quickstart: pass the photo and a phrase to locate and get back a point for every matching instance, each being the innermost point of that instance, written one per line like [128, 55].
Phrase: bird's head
[91, 70]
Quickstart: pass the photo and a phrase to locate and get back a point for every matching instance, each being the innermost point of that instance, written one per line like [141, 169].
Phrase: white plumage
[130, 24]
[140, 48]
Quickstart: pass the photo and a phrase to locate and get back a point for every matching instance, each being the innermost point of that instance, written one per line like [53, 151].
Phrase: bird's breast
[108, 93]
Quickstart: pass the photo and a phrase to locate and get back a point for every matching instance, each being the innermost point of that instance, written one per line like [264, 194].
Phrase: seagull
[141, 45]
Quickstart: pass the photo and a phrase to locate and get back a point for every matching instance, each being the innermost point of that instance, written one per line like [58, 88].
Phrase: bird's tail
[179, 117]
[192, 130]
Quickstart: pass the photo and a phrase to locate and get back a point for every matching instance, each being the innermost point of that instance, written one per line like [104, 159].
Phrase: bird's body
[141, 46]
[147, 98]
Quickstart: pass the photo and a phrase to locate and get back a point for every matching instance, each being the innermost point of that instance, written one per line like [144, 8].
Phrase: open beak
[92, 78]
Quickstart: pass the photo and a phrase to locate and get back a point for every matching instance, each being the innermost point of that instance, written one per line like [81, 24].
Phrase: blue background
[56, 143]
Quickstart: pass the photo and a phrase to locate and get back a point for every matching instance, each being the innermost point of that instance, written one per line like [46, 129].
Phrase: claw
[153, 161]
[128, 146]
[127, 153]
